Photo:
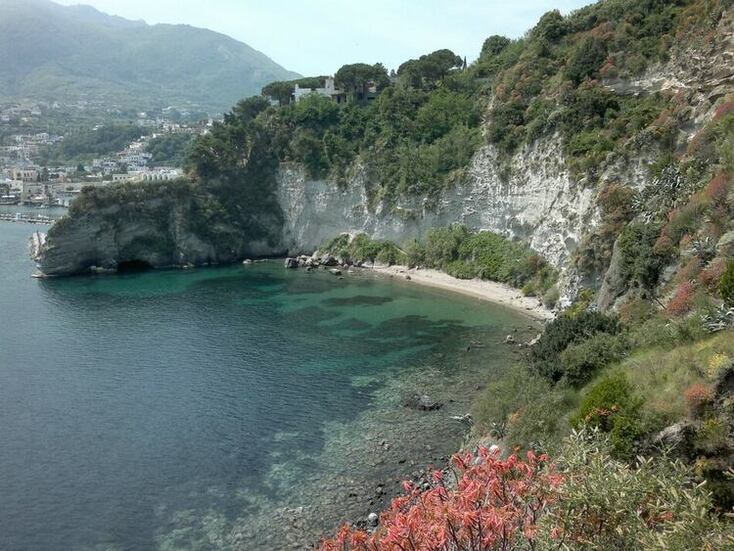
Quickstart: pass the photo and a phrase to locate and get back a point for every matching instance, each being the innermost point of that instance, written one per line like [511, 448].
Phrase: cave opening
[134, 265]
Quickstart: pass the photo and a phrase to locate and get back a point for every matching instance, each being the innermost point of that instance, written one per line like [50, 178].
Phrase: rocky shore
[419, 419]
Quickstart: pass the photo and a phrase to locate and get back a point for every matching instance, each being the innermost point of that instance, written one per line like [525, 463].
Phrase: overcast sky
[319, 36]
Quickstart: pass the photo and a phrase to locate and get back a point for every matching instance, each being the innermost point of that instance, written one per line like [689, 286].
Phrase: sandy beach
[484, 290]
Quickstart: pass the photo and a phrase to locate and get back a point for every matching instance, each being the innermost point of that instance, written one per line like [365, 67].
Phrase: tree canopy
[357, 77]
[494, 45]
[429, 69]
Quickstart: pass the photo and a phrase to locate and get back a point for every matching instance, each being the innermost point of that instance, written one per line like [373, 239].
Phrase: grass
[535, 412]
[660, 377]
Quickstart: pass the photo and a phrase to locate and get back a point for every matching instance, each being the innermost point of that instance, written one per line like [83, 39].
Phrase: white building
[162, 175]
[329, 91]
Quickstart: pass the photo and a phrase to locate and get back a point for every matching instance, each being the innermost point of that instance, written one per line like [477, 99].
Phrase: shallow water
[243, 407]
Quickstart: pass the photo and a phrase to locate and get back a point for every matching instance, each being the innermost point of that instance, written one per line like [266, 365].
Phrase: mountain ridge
[52, 52]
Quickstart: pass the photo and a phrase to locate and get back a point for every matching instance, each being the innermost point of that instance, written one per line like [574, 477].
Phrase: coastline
[489, 291]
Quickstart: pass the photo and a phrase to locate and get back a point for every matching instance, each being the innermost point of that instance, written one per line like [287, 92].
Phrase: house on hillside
[329, 91]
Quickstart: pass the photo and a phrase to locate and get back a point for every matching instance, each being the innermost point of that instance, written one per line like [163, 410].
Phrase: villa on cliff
[329, 91]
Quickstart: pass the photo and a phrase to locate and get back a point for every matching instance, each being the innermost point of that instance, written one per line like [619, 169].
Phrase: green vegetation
[170, 149]
[550, 81]
[362, 249]
[602, 502]
[641, 263]
[412, 140]
[485, 255]
[566, 349]
[628, 380]
[430, 70]
[357, 78]
[234, 167]
[417, 133]
[458, 252]
[282, 90]
[96, 142]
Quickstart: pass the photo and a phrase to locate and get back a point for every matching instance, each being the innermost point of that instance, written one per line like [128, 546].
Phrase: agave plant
[720, 319]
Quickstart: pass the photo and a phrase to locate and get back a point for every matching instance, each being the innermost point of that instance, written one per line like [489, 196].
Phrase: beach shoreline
[489, 291]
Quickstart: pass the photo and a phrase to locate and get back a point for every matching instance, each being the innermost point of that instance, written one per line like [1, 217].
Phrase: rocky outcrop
[156, 233]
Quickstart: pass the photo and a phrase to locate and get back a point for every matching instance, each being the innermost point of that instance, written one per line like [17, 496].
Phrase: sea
[234, 407]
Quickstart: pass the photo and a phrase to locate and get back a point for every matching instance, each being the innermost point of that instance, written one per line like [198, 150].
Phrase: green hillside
[52, 52]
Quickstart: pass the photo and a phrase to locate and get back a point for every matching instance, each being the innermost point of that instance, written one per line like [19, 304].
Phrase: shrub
[442, 244]
[415, 253]
[626, 432]
[723, 110]
[698, 397]
[579, 363]
[726, 285]
[711, 275]
[607, 504]
[717, 190]
[641, 258]
[586, 59]
[461, 269]
[585, 500]
[540, 423]
[562, 332]
[605, 401]
[551, 297]
[689, 271]
[682, 300]
[688, 219]
[509, 393]
[711, 436]
[716, 364]
[496, 504]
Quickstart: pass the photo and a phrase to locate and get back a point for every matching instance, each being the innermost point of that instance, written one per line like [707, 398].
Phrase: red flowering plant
[718, 189]
[697, 397]
[682, 301]
[495, 504]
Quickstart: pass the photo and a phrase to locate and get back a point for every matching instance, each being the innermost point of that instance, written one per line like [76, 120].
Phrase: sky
[315, 37]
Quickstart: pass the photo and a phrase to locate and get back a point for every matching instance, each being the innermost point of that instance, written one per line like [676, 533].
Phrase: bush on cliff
[565, 331]
[584, 499]
[580, 362]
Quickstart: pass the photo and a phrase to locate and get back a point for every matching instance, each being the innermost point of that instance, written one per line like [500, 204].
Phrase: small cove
[238, 407]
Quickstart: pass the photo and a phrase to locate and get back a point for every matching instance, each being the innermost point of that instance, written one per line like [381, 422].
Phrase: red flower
[496, 503]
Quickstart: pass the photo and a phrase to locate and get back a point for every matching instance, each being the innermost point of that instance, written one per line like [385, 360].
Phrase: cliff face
[533, 197]
[156, 233]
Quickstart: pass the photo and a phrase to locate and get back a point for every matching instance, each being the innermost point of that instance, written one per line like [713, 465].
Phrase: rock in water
[422, 402]
[291, 263]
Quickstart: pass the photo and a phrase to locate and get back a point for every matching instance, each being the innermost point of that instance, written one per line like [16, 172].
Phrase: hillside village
[25, 179]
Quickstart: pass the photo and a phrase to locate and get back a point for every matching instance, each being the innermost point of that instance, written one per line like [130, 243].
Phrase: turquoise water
[243, 407]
